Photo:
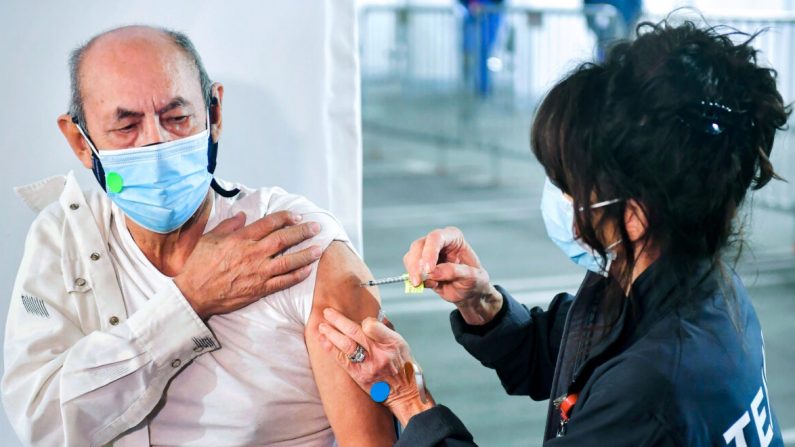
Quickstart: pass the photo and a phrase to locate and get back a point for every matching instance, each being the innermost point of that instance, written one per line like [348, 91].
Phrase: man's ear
[635, 220]
[75, 139]
[216, 121]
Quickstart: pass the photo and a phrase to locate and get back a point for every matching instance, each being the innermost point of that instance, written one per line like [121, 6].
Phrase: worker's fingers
[431, 284]
[325, 343]
[342, 342]
[230, 225]
[411, 260]
[268, 224]
[448, 272]
[345, 326]
[380, 333]
[339, 356]
[435, 242]
[387, 322]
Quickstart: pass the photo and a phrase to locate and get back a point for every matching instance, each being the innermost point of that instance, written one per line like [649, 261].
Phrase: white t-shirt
[258, 389]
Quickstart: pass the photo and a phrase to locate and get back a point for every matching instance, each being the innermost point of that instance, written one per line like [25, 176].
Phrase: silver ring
[358, 355]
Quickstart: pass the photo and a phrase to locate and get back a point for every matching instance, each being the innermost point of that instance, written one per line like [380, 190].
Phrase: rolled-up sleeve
[520, 344]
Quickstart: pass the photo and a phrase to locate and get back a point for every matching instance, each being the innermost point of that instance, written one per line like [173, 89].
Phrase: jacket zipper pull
[565, 403]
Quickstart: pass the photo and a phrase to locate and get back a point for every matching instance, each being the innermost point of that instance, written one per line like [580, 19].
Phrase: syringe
[382, 281]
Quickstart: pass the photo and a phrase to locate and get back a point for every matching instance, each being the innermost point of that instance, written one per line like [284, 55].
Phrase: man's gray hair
[76, 59]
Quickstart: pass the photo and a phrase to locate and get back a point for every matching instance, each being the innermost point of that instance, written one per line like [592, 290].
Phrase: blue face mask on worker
[558, 213]
[159, 186]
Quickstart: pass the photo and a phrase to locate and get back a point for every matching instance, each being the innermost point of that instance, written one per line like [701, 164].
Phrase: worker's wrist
[482, 309]
[406, 408]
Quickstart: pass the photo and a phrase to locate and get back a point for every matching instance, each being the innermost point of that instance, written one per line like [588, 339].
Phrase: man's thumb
[379, 333]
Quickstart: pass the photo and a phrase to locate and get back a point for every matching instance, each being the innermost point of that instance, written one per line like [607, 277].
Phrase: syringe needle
[382, 281]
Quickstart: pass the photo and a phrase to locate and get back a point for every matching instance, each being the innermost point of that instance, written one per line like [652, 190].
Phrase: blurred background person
[607, 28]
[481, 28]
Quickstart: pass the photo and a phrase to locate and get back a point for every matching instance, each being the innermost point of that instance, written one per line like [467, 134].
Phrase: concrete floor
[404, 197]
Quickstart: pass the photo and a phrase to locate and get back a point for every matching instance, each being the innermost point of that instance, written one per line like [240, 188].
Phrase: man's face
[140, 89]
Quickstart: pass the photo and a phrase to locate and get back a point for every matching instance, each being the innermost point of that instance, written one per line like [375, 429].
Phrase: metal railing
[441, 48]
[423, 79]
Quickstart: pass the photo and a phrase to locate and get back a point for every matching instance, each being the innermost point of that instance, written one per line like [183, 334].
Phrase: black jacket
[669, 372]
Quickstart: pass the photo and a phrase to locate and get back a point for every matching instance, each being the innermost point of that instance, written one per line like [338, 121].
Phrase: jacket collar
[38, 195]
[651, 298]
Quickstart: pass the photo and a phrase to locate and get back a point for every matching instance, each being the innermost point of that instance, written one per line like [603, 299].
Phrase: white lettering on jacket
[760, 412]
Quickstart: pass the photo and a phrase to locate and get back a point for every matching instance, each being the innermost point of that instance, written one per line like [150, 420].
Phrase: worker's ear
[75, 139]
[216, 121]
[635, 220]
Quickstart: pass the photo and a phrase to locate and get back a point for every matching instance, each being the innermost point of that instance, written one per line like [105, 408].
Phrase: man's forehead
[135, 61]
[133, 44]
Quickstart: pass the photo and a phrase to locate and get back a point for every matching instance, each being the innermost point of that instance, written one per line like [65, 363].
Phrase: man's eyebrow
[178, 101]
[124, 113]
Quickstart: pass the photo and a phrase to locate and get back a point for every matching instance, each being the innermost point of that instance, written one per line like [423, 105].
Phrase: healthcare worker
[649, 157]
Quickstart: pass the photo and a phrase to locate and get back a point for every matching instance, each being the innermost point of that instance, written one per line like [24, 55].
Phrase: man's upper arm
[355, 418]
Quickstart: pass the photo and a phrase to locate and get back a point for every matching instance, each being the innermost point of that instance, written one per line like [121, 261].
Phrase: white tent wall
[291, 102]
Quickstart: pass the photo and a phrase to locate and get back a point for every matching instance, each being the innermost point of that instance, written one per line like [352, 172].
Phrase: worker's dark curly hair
[682, 120]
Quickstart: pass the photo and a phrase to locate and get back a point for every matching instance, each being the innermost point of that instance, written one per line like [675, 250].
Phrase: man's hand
[232, 266]
[448, 265]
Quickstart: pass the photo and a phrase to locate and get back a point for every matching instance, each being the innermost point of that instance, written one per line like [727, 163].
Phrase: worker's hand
[234, 265]
[448, 265]
[387, 359]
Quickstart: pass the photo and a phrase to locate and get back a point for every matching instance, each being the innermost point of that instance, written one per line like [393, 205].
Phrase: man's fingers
[342, 342]
[281, 240]
[344, 325]
[286, 281]
[293, 261]
[268, 224]
[230, 225]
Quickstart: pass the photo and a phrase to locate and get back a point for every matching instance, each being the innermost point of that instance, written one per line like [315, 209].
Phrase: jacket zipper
[551, 407]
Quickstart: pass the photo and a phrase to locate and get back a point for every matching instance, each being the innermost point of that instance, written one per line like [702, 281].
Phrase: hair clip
[712, 117]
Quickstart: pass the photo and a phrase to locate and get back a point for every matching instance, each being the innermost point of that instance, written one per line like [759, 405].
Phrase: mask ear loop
[96, 164]
[611, 255]
[212, 153]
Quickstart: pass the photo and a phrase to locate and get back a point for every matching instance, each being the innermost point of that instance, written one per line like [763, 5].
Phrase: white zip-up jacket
[78, 370]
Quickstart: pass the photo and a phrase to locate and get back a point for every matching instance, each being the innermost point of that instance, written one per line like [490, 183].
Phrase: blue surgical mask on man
[558, 213]
[159, 186]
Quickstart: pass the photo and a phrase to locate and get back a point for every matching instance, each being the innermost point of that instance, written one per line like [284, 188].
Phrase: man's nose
[152, 132]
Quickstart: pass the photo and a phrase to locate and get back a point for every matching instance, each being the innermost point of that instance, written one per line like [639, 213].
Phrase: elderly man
[138, 316]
